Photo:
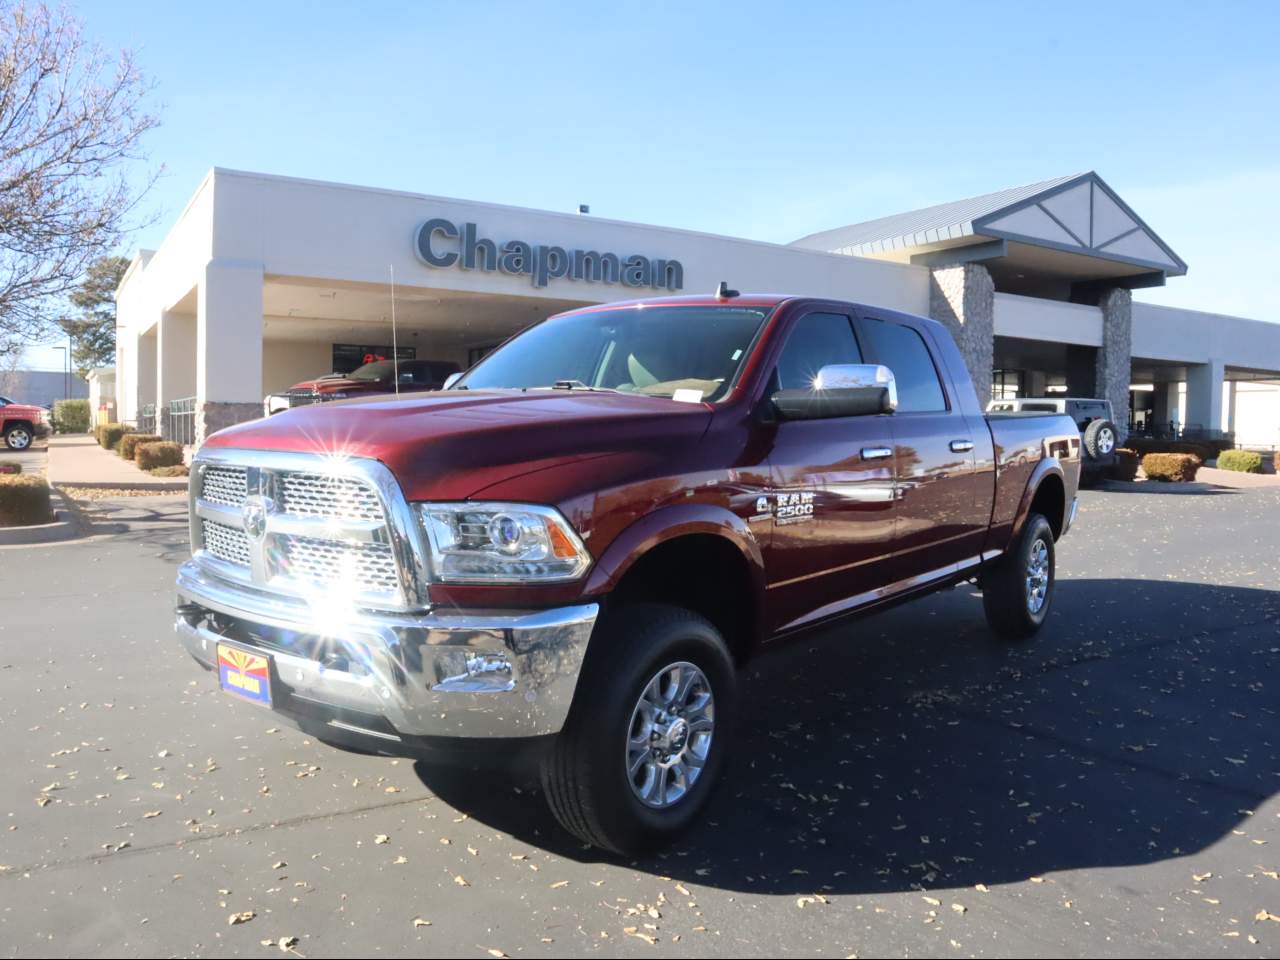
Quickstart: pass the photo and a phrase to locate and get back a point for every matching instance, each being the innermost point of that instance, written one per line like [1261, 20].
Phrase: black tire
[19, 436]
[1101, 439]
[1006, 595]
[585, 774]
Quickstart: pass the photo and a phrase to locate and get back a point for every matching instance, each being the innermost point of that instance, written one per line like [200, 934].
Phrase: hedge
[129, 443]
[71, 416]
[1245, 461]
[1126, 464]
[1170, 466]
[109, 434]
[162, 454]
[24, 500]
[174, 470]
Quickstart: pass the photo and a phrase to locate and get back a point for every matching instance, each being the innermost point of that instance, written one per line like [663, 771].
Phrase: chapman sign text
[443, 243]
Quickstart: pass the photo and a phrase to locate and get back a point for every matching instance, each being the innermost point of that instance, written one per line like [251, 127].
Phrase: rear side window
[817, 340]
[903, 351]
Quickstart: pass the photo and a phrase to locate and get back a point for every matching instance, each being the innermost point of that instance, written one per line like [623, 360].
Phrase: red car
[579, 545]
[21, 423]
[376, 377]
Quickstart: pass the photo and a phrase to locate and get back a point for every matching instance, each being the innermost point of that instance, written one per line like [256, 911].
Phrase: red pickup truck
[21, 423]
[579, 543]
[377, 376]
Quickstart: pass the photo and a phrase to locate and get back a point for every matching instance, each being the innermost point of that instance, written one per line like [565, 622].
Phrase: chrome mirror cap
[849, 376]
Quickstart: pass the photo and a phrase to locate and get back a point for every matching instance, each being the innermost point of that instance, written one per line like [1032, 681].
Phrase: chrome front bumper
[502, 674]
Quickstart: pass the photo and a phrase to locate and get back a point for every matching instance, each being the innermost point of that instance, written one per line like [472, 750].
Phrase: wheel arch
[1046, 494]
[701, 557]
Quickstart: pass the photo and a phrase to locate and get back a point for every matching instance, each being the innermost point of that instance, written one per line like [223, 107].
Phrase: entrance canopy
[1067, 230]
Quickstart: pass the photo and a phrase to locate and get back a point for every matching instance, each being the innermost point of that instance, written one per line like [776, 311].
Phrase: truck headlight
[501, 543]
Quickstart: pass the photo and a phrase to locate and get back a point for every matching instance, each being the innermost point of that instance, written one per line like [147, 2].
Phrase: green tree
[93, 332]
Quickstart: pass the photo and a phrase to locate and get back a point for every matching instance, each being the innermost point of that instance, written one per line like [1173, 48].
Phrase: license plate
[247, 675]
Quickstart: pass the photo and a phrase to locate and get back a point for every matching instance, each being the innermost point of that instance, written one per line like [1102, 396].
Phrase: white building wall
[286, 362]
[1192, 336]
[303, 228]
[1034, 319]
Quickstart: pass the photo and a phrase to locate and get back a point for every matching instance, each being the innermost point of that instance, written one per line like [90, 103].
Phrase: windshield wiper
[579, 385]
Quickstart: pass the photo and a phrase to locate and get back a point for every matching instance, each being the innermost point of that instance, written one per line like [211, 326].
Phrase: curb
[68, 524]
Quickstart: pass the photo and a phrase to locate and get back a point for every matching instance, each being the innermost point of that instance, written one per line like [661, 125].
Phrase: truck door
[944, 500]
[832, 500]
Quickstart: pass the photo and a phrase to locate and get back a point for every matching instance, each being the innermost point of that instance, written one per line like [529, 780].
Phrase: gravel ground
[901, 787]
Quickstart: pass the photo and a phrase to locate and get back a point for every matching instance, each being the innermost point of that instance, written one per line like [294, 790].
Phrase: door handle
[876, 453]
[961, 446]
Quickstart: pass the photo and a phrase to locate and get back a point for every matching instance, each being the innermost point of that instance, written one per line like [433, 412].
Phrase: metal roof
[1060, 213]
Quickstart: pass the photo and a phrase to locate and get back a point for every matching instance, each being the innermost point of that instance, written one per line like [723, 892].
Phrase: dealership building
[265, 281]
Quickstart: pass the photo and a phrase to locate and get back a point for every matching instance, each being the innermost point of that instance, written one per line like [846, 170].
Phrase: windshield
[378, 370]
[656, 351]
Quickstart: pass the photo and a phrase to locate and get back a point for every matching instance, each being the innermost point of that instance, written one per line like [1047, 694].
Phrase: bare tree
[71, 118]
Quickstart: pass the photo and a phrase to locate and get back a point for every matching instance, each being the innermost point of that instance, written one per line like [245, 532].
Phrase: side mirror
[450, 380]
[841, 390]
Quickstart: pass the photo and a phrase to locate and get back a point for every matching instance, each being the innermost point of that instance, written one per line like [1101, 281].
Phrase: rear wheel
[1017, 591]
[647, 734]
[18, 437]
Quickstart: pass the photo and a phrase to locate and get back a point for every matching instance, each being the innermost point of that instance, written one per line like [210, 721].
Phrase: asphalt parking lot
[901, 787]
[34, 459]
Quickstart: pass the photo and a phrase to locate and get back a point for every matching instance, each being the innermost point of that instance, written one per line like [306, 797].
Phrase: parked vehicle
[22, 423]
[1093, 418]
[580, 543]
[372, 378]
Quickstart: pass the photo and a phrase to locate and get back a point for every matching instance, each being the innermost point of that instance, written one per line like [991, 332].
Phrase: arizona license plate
[247, 675]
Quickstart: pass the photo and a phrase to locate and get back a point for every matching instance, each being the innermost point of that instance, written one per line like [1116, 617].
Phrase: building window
[1006, 384]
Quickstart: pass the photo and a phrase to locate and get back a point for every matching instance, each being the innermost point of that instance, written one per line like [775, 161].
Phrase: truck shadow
[1194, 488]
[909, 750]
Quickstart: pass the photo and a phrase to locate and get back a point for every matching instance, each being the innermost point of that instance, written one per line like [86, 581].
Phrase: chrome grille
[226, 543]
[318, 495]
[368, 567]
[311, 528]
[223, 484]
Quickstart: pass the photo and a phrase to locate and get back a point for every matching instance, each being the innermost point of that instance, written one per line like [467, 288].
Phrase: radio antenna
[395, 346]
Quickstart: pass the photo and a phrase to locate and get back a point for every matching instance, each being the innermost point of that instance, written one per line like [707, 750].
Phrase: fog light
[473, 671]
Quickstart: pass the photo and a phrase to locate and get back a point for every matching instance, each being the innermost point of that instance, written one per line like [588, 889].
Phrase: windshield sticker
[687, 395]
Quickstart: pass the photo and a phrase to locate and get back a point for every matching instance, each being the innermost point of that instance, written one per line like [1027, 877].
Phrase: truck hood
[447, 446]
[334, 384]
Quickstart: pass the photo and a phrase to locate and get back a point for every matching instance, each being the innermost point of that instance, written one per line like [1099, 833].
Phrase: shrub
[1170, 466]
[162, 454]
[71, 416]
[174, 470]
[109, 434]
[1246, 461]
[1126, 465]
[10, 468]
[24, 500]
[129, 443]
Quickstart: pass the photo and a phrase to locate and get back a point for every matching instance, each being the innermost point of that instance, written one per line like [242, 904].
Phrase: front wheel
[647, 734]
[18, 437]
[1017, 590]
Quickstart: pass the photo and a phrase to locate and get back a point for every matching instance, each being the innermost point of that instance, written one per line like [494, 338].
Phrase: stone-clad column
[1114, 364]
[963, 297]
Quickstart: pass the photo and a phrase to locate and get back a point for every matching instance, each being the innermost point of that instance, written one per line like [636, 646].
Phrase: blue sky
[762, 120]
